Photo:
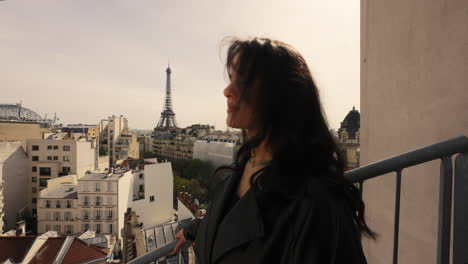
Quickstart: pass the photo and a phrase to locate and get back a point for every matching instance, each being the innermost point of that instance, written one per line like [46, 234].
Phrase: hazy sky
[89, 59]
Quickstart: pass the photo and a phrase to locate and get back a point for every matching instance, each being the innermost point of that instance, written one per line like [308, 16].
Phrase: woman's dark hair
[275, 81]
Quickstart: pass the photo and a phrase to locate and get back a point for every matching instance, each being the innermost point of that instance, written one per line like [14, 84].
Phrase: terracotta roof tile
[15, 247]
[80, 252]
[48, 252]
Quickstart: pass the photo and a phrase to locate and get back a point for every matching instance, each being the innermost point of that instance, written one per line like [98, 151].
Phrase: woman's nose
[227, 91]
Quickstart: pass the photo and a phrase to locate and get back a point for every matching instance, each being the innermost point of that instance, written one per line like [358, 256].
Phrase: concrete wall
[14, 172]
[159, 184]
[85, 157]
[414, 92]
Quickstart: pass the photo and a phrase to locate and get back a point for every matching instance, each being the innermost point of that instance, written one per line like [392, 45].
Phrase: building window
[142, 188]
[152, 198]
[49, 157]
[98, 201]
[34, 200]
[109, 200]
[34, 212]
[85, 186]
[44, 171]
[34, 179]
[48, 216]
[85, 227]
[34, 190]
[57, 205]
[56, 216]
[67, 216]
[97, 215]
[69, 204]
[35, 147]
[42, 182]
[85, 215]
[35, 158]
[111, 230]
[57, 228]
[66, 170]
[109, 215]
[55, 157]
[66, 158]
[68, 229]
[66, 148]
[47, 203]
[98, 187]
[98, 228]
[47, 228]
[141, 175]
[55, 147]
[49, 147]
[34, 169]
[86, 201]
[109, 186]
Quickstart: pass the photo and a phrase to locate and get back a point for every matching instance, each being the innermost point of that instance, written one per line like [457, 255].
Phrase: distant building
[14, 179]
[218, 147]
[116, 140]
[56, 156]
[178, 143]
[91, 131]
[146, 144]
[349, 138]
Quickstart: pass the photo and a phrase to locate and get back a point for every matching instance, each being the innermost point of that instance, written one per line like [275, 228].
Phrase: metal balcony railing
[450, 178]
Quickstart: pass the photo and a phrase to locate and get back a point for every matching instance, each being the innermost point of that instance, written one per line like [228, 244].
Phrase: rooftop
[101, 177]
[62, 191]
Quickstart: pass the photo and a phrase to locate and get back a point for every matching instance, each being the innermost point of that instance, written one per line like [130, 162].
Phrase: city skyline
[87, 60]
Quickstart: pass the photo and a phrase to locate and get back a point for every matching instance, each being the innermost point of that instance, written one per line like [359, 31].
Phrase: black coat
[316, 228]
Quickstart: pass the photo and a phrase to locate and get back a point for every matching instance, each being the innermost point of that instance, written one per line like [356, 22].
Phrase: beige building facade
[414, 92]
[54, 157]
[22, 131]
[57, 210]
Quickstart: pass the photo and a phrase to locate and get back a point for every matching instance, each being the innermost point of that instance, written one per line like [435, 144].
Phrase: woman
[284, 199]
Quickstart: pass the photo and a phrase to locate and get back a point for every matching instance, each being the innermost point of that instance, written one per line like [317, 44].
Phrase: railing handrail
[421, 155]
[152, 256]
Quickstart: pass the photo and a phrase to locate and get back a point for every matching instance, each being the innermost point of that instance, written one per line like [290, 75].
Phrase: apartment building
[58, 210]
[218, 147]
[98, 202]
[58, 156]
[116, 140]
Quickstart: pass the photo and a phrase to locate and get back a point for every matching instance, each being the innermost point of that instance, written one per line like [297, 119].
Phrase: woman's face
[239, 113]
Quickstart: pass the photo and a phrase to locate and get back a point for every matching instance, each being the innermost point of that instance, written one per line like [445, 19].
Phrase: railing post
[460, 207]
[445, 211]
[396, 227]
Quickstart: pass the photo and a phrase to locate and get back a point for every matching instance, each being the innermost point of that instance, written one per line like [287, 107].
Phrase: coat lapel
[218, 204]
[243, 222]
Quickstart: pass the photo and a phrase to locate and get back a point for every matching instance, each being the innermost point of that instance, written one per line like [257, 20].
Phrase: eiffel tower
[167, 120]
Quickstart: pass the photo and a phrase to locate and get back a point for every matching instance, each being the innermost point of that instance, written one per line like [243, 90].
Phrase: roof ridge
[64, 249]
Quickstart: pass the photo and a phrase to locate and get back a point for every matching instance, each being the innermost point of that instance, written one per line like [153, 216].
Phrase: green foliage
[192, 176]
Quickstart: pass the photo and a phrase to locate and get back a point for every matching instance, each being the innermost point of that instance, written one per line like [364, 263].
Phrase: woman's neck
[262, 151]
